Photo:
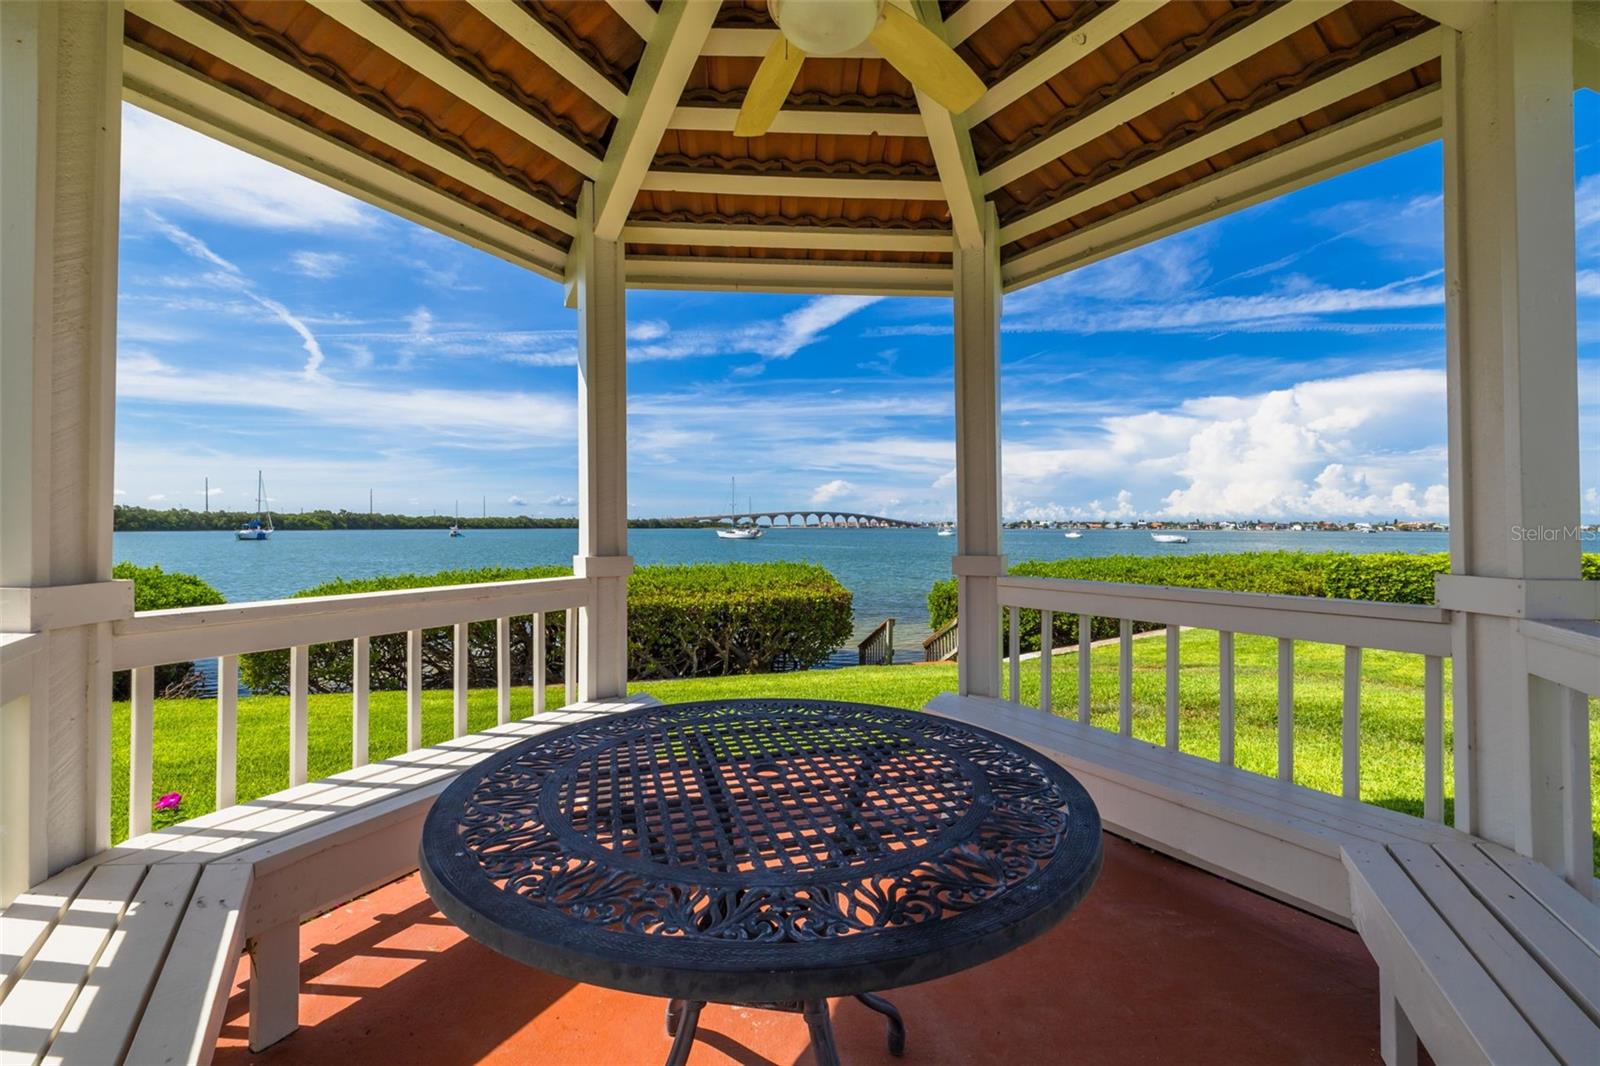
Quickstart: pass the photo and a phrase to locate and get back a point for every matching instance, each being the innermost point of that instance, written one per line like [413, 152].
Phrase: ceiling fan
[832, 27]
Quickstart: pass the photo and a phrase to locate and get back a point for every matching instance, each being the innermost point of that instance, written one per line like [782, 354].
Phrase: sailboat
[259, 527]
[455, 527]
[738, 532]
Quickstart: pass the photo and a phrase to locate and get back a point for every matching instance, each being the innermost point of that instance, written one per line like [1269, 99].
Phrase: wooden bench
[1279, 838]
[1483, 955]
[129, 956]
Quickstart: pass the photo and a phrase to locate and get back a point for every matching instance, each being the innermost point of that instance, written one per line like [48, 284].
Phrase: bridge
[812, 519]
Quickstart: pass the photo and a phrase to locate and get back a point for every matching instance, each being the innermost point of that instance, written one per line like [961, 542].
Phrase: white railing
[155, 638]
[1354, 625]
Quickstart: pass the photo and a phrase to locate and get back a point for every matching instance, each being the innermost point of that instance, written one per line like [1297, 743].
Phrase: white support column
[1513, 387]
[60, 124]
[596, 267]
[979, 561]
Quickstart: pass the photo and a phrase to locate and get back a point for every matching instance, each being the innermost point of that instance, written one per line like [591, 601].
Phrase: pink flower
[169, 802]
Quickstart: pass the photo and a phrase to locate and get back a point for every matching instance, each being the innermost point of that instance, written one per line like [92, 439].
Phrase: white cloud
[561, 501]
[830, 491]
[156, 497]
[169, 166]
[771, 339]
[320, 265]
[516, 501]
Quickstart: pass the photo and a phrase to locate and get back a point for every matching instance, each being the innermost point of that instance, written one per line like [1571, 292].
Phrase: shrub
[1386, 577]
[733, 618]
[683, 621]
[156, 590]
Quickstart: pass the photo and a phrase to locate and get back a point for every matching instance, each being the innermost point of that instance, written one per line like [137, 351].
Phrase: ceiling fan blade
[926, 61]
[769, 88]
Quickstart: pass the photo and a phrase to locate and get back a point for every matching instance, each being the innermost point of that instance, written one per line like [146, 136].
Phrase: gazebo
[592, 143]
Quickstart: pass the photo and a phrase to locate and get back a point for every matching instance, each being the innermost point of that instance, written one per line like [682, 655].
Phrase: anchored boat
[259, 527]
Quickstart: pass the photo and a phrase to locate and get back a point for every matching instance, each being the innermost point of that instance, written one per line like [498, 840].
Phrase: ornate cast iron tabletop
[765, 852]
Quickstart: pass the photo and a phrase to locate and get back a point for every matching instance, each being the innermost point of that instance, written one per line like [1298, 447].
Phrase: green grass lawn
[1391, 723]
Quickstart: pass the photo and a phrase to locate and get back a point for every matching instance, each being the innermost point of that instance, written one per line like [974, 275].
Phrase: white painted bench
[128, 957]
[1279, 838]
[1483, 955]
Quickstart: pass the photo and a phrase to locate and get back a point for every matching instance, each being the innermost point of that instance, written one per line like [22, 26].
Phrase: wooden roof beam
[1192, 70]
[522, 27]
[790, 120]
[676, 40]
[786, 275]
[189, 25]
[724, 183]
[971, 17]
[638, 14]
[174, 91]
[1313, 97]
[826, 238]
[951, 144]
[389, 37]
[1100, 29]
[1365, 138]
[1456, 14]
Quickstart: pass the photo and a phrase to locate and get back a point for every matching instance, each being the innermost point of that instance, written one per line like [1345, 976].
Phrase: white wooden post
[1125, 676]
[979, 560]
[299, 706]
[1350, 732]
[141, 738]
[360, 700]
[1513, 439]
[227, 730]
[1285, 709]
[460, 674]
[596, 269]
[502, 669]
[413, 689]
[60, 125]
[1085, 688]
[1225, 723]
[1014, 651]
[1047, 655]
[1174, 633]
[537, 667]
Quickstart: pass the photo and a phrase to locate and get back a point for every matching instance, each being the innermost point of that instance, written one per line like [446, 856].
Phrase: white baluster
[1125, 677]
[1225, 698]
[1085, 690]
[1350, 741]
[461, 665]
[141, 735]
[1047, 652]
[1285, 709]
[502, 669]
[360, 699]
[1173, 633]
[536, 639]
[413, 689]
[1014, 636]
[569, 669]
[227, 730]
[1433, 738]
[299, 706]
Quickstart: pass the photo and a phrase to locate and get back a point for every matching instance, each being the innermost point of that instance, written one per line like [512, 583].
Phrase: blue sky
[1286, 361]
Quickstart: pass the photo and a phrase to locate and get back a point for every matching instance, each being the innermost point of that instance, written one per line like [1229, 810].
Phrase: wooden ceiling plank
[826, 238]
[740, 41]
[389, 37]
[787, 275]
[1319, 94]
[167, 88]
[522, 27]
[723, 183]
[1365, 138]
[971, 17]
[1192, 70]
[818, 123]
[669, 56]
[951, 144]
[638, 14]
[1098, 31]
[189, 25]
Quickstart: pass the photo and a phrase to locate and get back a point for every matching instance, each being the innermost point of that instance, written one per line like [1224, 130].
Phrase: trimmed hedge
[683, 621]
[154, 589]
[1385, 577]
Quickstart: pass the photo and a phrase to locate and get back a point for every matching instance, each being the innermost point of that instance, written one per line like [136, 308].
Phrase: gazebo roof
[1104, 124]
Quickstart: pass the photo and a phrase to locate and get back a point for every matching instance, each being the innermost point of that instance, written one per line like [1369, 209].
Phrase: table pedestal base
[683, 1018]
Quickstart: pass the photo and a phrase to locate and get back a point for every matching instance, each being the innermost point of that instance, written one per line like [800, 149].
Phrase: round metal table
[771, 853]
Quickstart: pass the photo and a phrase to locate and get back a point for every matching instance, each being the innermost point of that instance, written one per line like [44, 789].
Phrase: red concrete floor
[1162, 963]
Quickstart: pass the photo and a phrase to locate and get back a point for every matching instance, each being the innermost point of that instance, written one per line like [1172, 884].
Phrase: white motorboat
[947, 530]
[1169, 538]
[259, 527]
[1073, 534]
[740, 533]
